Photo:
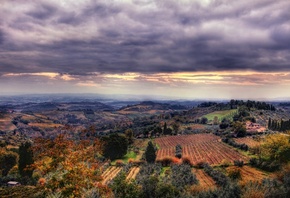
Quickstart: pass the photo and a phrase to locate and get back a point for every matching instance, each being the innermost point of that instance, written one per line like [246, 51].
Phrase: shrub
[231, 142]
[182, 176]
[239, 163]
[178, 151]
[119, 163]
[266, 165]
[219, 178]
[253, 190]
[234, 173]
[225, 163]
[253, 161]
[130, 161]
[200, 164]
[186, 160]
[196, 190]
[176, 160]
[166, 161]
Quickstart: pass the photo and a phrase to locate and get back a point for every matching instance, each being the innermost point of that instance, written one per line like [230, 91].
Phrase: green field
[221, 114]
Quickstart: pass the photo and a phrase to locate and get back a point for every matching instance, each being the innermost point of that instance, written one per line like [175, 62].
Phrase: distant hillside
[150, 105]
[69, 106]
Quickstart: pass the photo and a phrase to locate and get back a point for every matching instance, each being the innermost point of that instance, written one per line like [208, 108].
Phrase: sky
[183, 49]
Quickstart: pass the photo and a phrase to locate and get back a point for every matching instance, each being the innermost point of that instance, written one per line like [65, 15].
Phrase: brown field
[28, 117]
[45, 125]
[251, 174]
[248, 141]
[6, 123]
[198, 148]
[194, 126]
[132, 173]
[110, 174]
[204, 180]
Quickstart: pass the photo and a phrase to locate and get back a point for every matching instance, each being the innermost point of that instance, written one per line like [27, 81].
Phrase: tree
[178, 151]
[150, 153]
[129, 135]
[167, 190]
[8, 159]
[182, 176]
[175, 127]
[114, 146]
[156, 131]
[124, 189]
[25, 159]
[168, 131]
[240, 129]
[164, 128]
[203, 120]
[277, 147]
[224, 124]
[150, 186]
[215, 120]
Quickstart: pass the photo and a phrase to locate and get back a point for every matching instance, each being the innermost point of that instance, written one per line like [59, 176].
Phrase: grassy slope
[220, 114]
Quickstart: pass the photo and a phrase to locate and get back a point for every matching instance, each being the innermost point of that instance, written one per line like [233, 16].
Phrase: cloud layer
[144, 36]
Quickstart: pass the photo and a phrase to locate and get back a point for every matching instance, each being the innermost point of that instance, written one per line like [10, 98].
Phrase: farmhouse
[13, 183]
[254, 127]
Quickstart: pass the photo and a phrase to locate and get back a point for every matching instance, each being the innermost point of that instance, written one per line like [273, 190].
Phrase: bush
[231, 142]
[200, 164]
[253, 162]
[234, 173]
[186, 160]
[266, 165]
[178, 151]
[239, 163]
[220, 178]
[182, 176]
[225, 163]
[119, 163]
[166, 161]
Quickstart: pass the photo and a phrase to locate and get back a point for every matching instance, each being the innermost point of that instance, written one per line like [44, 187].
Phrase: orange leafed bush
[131, 161]
[166, 161]
[119, 163]
[176, 160]
[42, 181]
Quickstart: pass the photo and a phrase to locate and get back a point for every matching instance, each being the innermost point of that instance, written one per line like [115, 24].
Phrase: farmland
[5, 123]
[248, 141]
[249, 174]
[110, 173]
[205, 181]
[198, 148]
[221, 114]
[132, 173]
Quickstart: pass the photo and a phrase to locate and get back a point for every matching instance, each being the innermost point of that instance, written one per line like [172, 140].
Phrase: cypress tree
[164, 128]
[150, 153]
[25, 159]
[270, 124]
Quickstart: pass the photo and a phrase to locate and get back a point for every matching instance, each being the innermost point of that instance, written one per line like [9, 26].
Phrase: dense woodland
[205, 151]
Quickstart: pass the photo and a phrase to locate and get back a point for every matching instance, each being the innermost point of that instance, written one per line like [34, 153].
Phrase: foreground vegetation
[172, 159]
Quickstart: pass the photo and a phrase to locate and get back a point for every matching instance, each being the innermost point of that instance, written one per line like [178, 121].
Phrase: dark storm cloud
[1, 37]
[42, 11]
[144, 36]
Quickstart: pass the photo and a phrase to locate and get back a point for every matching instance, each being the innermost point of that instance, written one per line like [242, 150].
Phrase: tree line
[276, 125]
